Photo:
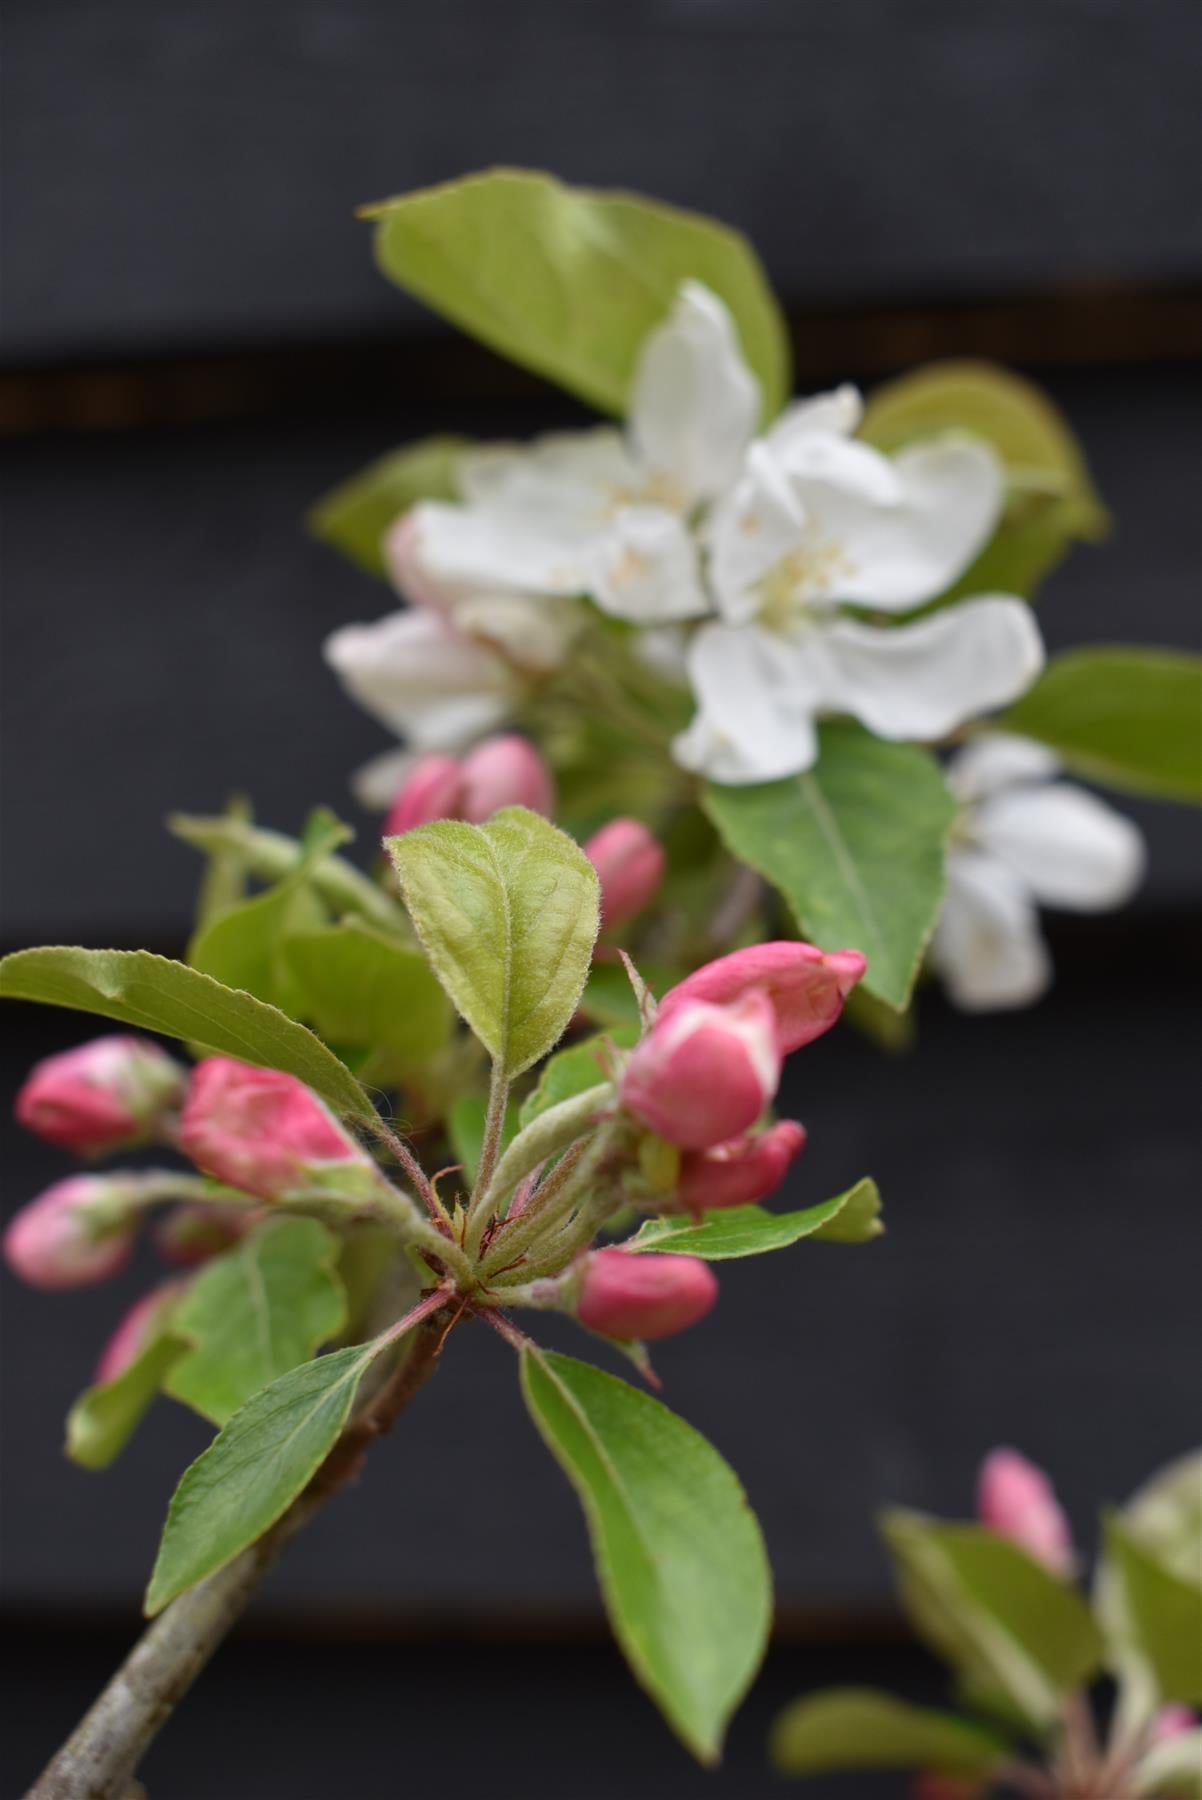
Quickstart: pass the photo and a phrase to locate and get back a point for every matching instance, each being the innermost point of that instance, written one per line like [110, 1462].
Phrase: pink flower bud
[265, 1132]
[430, 791]
[134, 1331]
[104, 1094]
[1016, 1499]
[630, 863]
[738, 1173]
[627, 1296]
[807, 986]
[68, 1237]
[1171, 1722]
[705, 1073]
[191, 1233]
[504, 771]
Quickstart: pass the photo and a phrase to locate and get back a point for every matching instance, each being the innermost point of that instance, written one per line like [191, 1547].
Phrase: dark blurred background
[195, 346]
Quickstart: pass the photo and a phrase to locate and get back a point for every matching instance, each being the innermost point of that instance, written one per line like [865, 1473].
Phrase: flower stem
[494, 1123]
[99, 1760]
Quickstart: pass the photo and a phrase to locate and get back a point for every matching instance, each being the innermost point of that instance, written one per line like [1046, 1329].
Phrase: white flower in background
[1024, 840]
[602, 513]
[817, 522]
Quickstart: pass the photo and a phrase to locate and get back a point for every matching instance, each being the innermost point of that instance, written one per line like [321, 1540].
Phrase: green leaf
[354, 516]
[255, 1313]
[273, 855]
[857, 1728]
[255, 1468]
[679, 1555]
[851, 1218]
[1052, 498]
[362, 987]
[1160, 1614]
[155, 994]
[465, 1128]
[1122, 715]
[569, 281]
[243, 947]
[1008, 1624]
[609, 1000]
[508, 914]
[223, 884]
[856, 847]
[1165, 1516]
[576, 1070]
[105, 1416]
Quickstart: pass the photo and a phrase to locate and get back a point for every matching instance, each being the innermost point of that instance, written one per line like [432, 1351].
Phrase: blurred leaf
[577, 1069]
[507, 913]
[105, 1416]
[273, 855]
[1158, 1614]
[609, 1000]
[255, 1313]
[354, 516]
[1172, 1767]
[569, 281]
[255, 1468]
[850, 1218]
[1000, 1618]
[361, 987]
[856, 847]
[155, 994]
[856, 1728]
[1122, 715]
[223, 884]
[679, 1555]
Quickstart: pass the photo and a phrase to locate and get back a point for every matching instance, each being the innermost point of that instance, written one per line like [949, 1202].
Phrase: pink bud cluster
[502, 771]
[702, 1079]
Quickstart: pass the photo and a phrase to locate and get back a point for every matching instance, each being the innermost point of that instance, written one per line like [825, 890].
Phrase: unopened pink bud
[1016, 1499]
[263, 1132]
[103, 1095]
[807, 986]
[430, 791]
[135, 1331]
[67, 1237]
[1171, 1722]
[627, 1296]
[630, 864]
[192, 1233]
[504, 771]
[738, 1173]
[705, 1073]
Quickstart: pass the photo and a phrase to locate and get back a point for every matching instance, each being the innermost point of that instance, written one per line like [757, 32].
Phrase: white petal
[646, 568]
[421, 679]
[695, 402]
[892, 534]
[376, 784]
[1069, 847]
[994, 760]
[836, 414]
[664, 648]
[987, 945]
[923, 680]
[755, 718]
[535, 632]
[460, 549]
[751, 529]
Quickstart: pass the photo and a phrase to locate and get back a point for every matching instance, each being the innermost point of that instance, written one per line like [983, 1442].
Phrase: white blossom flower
[422, 679]
[819, 522]
[599, 512]
[1023, 840]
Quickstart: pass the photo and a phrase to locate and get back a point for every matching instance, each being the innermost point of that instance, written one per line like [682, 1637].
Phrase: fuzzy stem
[99, 1760]
[550, 1204]
[494, 1123]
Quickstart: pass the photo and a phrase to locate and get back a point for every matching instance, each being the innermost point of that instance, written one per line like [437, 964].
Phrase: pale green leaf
[354, 516]
[508, 914]
[223, 883]
[855, 845]
[255, 1313]
[1120, 714]
[362, 987]
[255, 1468]
[1159, 1614]
[850, 1218]
[105, 1416]
[273, 855]
[679, 1555]
[569, 281]
[1172, 1767]
[857, 1728]
[1008, 1624]
[575, 1070]
[243, 946]
[155, 994]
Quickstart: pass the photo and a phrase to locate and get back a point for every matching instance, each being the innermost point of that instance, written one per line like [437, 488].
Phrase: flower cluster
[766, 570]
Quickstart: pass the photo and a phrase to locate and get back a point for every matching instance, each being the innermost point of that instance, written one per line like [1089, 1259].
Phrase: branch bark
[100, 1758]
